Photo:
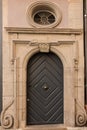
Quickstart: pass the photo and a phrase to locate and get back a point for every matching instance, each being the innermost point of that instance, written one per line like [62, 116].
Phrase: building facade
[43, 65]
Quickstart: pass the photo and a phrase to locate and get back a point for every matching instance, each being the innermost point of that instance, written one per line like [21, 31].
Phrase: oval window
[44, 17]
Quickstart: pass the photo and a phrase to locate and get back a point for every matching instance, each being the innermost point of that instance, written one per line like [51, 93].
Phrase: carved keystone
[44, 47]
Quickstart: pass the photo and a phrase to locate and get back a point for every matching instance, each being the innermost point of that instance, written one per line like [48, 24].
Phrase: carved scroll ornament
[81, 116]
[81, 119]
[7, 120]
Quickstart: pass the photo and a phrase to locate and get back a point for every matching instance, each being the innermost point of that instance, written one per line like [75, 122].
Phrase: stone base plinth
[49, 128]
[71, 128]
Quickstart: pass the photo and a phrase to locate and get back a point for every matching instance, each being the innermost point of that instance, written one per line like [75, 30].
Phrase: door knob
[45, 87]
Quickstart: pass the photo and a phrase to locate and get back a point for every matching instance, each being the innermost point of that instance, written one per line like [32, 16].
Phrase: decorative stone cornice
[43, 46]
[67, 31]
[36, 43]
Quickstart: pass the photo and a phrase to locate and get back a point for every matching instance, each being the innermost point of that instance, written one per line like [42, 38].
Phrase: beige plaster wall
[72, 13]
[17, 10]
[75, 11]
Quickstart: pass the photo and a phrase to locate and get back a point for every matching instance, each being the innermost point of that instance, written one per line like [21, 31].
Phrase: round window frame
[52, 7]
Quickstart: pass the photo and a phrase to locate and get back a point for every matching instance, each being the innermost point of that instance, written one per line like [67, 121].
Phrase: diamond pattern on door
[45, 89]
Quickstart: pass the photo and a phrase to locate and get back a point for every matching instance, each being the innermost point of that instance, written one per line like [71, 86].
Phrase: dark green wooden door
[44, 90]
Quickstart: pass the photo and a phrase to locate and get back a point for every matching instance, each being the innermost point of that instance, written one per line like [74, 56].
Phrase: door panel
[44, 90]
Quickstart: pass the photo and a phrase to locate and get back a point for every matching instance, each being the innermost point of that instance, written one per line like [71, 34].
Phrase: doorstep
[53, 128]
[67, 128]
[76, 128]
[46, 127]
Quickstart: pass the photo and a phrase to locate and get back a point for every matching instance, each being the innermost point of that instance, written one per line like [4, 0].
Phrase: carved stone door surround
[24, 43]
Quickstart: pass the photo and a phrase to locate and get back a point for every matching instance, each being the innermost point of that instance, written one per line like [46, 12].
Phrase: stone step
[49, 128]
[46, 127]
[53, 128]
[77, 128]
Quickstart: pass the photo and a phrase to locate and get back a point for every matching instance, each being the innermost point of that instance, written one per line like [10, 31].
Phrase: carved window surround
[37, 6]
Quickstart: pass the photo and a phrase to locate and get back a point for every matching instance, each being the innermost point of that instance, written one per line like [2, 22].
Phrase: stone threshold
[60, 128]
[76, 128]
[53, 127]
[48, 128]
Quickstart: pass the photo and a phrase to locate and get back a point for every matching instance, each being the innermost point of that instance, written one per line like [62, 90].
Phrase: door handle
[28, 100]
[45, 87]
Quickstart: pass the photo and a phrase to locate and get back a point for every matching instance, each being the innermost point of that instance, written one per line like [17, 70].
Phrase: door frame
[68, 113]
